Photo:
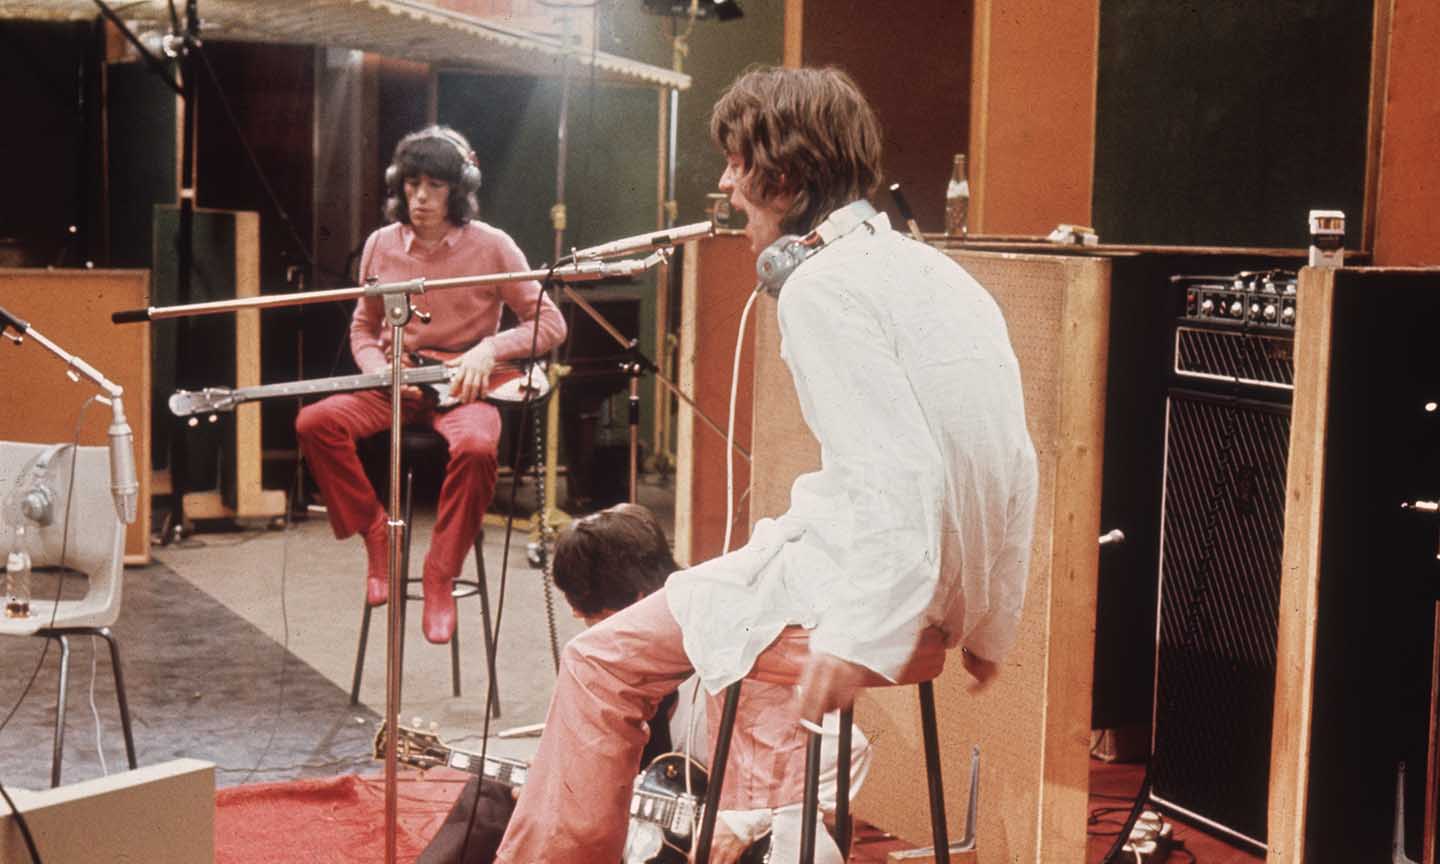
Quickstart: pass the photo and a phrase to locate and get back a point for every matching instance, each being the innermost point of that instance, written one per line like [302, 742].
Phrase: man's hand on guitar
[472, 372]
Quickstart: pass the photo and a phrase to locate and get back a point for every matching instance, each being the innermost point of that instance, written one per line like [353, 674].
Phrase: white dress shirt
[922, 511]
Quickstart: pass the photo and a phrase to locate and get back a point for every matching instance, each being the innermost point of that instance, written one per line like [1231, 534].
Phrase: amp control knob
[1207, 306]
[1287, 315]
[1236, 309]
[1270, 312]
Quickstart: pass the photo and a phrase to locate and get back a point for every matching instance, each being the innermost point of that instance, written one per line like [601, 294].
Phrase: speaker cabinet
[1223, 523]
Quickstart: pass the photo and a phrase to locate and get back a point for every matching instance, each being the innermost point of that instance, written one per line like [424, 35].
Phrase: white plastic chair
[92, 539]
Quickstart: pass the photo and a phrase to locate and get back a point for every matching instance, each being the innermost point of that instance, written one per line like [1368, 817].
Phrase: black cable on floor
[285, 627]
[21, 823]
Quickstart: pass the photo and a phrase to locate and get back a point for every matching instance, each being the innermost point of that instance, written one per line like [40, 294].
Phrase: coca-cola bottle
[957, 199]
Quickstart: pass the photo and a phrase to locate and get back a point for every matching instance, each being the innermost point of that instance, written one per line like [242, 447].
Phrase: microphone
[646, 242]
[123, 485]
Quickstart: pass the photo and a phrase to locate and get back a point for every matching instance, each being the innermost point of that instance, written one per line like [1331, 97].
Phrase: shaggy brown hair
[608, 560]
[803, 132]
[441, 153]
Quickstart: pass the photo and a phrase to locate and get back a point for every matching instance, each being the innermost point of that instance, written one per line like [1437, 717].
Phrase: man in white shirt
[914, 533]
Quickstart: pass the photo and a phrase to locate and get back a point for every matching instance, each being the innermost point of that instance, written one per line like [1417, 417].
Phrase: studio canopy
[405, 29]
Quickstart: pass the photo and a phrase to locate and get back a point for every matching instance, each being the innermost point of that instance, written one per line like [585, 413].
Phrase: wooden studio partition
[72, 308]
[223, 468]
[1355, 693]
[1033, 723]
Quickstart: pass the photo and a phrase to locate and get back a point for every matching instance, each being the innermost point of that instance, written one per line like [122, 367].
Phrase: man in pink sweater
[431, 184]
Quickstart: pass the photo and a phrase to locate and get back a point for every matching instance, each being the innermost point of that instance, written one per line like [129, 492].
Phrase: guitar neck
[341, 384]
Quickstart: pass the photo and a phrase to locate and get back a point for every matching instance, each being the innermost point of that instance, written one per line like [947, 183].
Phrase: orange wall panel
[1409, 191]
[1032, 116]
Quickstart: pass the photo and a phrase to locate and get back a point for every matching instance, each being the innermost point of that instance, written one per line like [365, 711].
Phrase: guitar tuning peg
[193, 422]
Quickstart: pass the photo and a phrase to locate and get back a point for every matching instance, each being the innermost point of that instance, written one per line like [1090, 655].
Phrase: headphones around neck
[469, 170]
[778, 260]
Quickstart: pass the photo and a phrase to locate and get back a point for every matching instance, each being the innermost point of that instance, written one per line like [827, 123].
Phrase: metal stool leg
[810, 812]
[843, 826]
[60, 710]
[928, 726]
[104, 633]
[717, 774]
[360, 654]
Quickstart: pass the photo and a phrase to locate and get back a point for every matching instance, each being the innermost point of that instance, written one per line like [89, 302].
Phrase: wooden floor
[1112, 793]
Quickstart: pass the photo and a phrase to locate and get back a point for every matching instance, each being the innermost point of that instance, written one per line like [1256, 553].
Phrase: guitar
[663, 812]
[510, 384]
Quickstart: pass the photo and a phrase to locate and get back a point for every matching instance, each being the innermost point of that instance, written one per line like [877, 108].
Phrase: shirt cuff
[748, 825]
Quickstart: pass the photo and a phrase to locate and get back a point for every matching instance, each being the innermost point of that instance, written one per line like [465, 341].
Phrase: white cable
[99, 747]
[730, 423]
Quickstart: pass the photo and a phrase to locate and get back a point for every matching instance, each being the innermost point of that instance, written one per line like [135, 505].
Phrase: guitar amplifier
[1222, 525]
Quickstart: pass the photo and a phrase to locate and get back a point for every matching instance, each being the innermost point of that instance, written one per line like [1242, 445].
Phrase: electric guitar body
[662, 797]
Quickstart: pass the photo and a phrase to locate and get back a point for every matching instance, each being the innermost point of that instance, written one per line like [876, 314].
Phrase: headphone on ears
[469, 167]
[778, 260]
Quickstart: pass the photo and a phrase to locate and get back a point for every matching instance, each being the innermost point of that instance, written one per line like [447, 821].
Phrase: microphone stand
[398, 311]
[125, 490]
[636, 365]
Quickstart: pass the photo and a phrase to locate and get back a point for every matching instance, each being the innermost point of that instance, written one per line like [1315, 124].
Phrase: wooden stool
[416, 440]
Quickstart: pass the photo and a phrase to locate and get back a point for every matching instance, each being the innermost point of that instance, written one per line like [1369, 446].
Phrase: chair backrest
[83, 523]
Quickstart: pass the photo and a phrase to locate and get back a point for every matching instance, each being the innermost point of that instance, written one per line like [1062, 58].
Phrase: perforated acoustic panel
[1223, 522]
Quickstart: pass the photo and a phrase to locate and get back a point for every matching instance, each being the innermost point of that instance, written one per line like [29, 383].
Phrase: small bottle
[17, 580]
[957, 199]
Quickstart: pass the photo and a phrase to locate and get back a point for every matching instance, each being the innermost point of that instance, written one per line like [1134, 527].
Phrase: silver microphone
[123, 485]
[646, 242]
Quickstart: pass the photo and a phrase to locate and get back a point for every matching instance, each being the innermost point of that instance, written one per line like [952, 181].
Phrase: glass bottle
[17, 579]
[957, 199]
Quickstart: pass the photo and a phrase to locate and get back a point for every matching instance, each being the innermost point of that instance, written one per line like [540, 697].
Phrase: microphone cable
[20, 821]
[60, 567]
[730, 504]
[491, 690]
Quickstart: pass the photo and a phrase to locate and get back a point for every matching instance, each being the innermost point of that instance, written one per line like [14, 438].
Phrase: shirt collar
[407, 236]
[847, 219]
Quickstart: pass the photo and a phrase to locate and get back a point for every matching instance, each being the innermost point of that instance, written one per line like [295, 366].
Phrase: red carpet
[338, 819]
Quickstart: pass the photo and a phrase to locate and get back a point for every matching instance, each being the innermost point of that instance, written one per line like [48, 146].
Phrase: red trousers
[328, 429]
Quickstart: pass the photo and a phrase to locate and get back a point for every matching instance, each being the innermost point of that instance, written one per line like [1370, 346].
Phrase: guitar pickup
[685, 809]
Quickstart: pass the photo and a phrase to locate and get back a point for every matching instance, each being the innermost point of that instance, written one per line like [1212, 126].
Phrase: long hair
[443, 154]
[606, 561]
[809, 133]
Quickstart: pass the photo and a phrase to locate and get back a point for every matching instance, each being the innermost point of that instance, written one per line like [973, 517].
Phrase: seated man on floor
[603, 563]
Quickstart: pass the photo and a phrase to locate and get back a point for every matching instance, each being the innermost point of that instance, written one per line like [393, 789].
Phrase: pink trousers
[573, 807]
[328, 429]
